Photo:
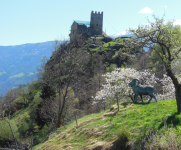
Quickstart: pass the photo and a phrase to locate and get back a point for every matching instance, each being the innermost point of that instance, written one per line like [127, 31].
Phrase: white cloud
[177, 22]
[146, 10]
[165, 6]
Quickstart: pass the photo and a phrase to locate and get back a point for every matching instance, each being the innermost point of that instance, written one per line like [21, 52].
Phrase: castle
[94, 27]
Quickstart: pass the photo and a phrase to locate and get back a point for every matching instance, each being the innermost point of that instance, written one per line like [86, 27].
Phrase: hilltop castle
[91, 28]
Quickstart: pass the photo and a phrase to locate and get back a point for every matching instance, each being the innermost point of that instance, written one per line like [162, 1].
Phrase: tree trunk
[61, 111]
[60, 119]
[12, 132]
[117, 101]
[59, 99]
[178, 97]
[31, 141]
[59, 124]
[177, 88]
[104, 106]
[76, 117]
[61, 108]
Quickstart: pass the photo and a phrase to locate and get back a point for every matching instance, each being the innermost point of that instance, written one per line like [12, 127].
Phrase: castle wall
[96, 23]
[73, 30]
[82, 29]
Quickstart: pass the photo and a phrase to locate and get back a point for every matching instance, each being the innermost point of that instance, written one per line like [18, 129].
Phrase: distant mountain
[121, 34]
[19, 63]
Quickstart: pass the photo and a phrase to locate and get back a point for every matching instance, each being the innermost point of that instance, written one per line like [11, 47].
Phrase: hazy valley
[19, 63]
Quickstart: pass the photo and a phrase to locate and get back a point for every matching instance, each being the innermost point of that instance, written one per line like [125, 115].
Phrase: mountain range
[121, 34]
[19, 63]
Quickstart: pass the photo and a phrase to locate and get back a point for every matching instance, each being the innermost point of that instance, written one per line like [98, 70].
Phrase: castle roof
[86, 23]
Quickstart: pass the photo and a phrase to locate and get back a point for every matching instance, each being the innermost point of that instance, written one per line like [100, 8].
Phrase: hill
[19, 63]
[135, 125]
[35, 110]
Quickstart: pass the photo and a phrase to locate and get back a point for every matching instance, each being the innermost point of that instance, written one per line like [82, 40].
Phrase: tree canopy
[163, 39]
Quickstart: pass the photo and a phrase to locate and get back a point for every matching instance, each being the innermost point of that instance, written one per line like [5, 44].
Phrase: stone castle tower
[90, 28]
[96, 23]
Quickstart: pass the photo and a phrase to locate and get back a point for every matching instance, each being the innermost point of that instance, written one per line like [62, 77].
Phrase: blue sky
[33, 21]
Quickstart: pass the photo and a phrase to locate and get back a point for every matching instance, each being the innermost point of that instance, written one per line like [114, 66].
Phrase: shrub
[163, 139]
[111, 68]
[24, 127]
[41, 135]
[123, 134]
[169, 139]
[5, 131]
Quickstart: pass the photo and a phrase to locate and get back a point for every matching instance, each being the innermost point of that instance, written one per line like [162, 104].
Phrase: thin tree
[5, 104]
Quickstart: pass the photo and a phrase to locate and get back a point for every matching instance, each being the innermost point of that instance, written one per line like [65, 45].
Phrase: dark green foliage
[47, 91]
[25, 125]
[34, 87]
[30, 96]
[111, 67]
[41, 135]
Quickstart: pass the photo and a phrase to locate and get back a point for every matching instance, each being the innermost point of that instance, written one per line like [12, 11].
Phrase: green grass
[139, 119]
[101, 37]
[102, 49]
[114, 42]
[107, 46]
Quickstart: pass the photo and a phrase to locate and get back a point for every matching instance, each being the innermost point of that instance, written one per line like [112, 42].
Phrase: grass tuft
[123, 134]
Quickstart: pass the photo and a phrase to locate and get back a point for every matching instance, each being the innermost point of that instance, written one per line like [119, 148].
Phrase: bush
[24, 127]
[123, 134]
[41, 135]
[111, 68]
[5, 131]
[168, 139]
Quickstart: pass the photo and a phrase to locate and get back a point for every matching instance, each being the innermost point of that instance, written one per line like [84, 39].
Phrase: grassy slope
[99, 130]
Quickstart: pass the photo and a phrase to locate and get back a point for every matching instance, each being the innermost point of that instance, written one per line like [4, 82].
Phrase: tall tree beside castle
[91, 28]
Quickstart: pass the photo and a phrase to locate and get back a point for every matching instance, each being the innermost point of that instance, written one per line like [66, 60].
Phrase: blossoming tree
[117, 81]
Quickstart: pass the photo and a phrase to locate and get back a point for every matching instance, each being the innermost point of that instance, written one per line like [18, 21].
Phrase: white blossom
[117, 82]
